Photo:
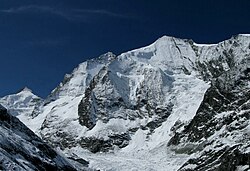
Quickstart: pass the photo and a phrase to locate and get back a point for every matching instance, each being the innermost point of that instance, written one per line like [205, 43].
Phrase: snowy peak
[24, 93]
[25, 89]
[170, 54]
[74, 84]
[109, 56]
[21, 104]
[166, 38]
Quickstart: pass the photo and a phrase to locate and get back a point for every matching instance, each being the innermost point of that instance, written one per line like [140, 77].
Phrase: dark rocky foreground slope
[21, 149]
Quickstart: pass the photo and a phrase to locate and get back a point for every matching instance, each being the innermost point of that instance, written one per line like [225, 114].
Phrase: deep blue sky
[41, 40]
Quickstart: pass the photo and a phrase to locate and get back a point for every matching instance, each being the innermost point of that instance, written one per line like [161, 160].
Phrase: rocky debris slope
[21, 149]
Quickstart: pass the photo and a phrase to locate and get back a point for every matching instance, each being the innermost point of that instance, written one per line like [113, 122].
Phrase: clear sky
[41, 40]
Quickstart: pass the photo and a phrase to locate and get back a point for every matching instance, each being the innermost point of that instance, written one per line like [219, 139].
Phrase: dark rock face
[21, 149]
[223, 114]
[85, 107]
[228, 158]
[96, 145]
[223, 96]
[106, 99]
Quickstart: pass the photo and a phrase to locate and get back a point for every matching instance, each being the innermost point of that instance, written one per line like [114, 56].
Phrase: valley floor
[157, 160]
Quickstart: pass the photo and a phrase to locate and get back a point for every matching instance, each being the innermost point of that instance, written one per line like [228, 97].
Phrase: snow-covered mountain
[174, 104]
[22, 105]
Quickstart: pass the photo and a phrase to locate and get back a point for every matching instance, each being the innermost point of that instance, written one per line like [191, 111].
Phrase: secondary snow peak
[25, 89]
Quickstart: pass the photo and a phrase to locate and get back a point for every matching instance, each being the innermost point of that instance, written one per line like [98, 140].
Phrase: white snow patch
[244, 34]
[202, 45]
[242, 168]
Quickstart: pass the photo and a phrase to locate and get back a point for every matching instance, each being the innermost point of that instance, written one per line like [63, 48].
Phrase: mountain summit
[25, 89]
[172, 105]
